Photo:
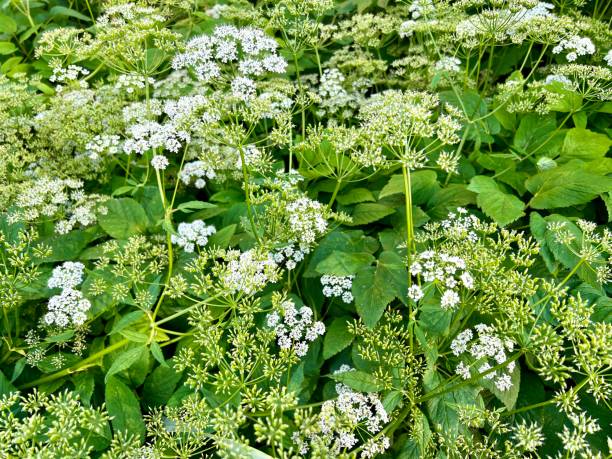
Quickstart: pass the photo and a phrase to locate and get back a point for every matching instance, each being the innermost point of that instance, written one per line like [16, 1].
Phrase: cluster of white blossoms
[103, 145]
[61, 199]
[338, 287]
[151, 134]
[448, 271]
[575, 46]
[192, 234]
[482, 349]
[248, 51]
[69, 307]
[334, 97]
[132, 82]
[159, 162]
[294, 328]
[198, 172]
[448, 64]
[608, 58]
[341, 418]
[290, 255]
[248, 272]
[306, 220]
[68, 74]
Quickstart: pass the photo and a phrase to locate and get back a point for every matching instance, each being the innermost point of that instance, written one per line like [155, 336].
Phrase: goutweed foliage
[305, 228]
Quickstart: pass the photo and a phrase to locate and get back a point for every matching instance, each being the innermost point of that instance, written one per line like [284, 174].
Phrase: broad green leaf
[64, 11]
[565, 186]
[125, 217]
[236, 449]
[584, 144]
[419, 182]
[369, 212]
[337, 337]
[359, 381]
[374, 287]
[507, 397]
[6, 47]
[223, 237]
[533, 131]
[190, 206]
[502, 207]
[6, 387]
[344, 264]
[125, 360]
[124, 408]
[127, 320]
[355, 195]
[160, 385]
[7, 24]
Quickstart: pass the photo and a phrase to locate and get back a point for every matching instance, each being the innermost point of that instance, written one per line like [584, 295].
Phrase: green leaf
[355, 195]
[64, 11]
[160, 385]
[370, 212]
[359, 381]
[337, 337]
[124, 408]
[565, 186]
[125, 360]
[156, 351]
[585, 144]
[223, 237]
[125, 217]
[236, 449]
[507, 397]
[343, 263]
[6, 47]
[190, 206]
[7, 24]
[419, 182]
[533, 131]
[127, 320]
[374, 287]
[6, 387]
[502, 207]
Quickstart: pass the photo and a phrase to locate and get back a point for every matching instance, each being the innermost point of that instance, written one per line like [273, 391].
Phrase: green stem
[247, 193]
[75, 368]
[409, 244]
[334, 194]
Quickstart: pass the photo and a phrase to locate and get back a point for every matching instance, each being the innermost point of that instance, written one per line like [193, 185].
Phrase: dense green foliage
[305, 228]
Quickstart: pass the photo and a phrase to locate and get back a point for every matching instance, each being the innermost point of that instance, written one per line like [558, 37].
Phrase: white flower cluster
[248, 272]
[575, 46]
[448, 64]
[253, 52]
[334, 97]
[342, 417]
[252, 156]
[105, 144]
[70, 73]
[447, 270]
[295, 328]
[482, 348]
[132, 82]
[198, 171]
[338, 286]
[69, 306]
[192, 234]
[159, 162]
[51, 198]
[608, 58]
[290, 256]
[151, 134]
[306, 220]
[461, 225]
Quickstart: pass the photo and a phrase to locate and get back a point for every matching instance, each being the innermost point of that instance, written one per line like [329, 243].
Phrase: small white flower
[449, 300]
[503, 383]
[415, 293]
[159, 162]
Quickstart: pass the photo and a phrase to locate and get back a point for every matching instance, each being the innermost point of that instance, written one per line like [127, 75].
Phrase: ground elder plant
[312, 228]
